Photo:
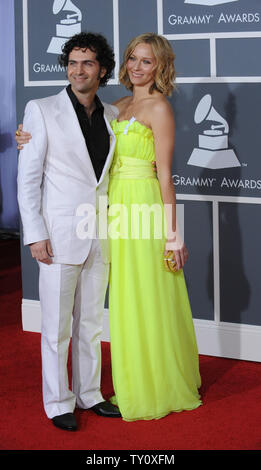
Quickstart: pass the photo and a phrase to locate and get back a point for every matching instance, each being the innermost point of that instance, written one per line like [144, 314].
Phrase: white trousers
[72, 302]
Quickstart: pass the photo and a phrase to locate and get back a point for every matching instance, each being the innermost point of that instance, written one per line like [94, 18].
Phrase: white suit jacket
[56, 177]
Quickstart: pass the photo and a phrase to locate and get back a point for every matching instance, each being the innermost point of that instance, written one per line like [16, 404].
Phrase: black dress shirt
[94, 131]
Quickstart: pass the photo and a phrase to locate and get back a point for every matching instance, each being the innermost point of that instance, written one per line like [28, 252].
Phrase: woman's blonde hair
[165, 71]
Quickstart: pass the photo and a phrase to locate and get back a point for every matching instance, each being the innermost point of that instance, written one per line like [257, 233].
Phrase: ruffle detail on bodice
[136, 127]
[133, 140]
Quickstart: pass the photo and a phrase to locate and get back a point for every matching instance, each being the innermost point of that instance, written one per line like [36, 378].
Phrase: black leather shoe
[66, 422]
[106, 409]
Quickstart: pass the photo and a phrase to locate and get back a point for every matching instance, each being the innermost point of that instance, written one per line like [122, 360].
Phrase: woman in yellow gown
[153, 346]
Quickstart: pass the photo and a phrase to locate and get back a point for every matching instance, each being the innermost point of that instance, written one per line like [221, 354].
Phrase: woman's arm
[122, 103]
[22, 137]
[163, 127]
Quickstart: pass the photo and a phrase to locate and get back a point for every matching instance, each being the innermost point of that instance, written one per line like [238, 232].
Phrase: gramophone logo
[67, 27]
[209, 3]
[212, 151]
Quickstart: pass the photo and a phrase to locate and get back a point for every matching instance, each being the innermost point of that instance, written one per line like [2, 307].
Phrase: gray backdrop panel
[240, 263]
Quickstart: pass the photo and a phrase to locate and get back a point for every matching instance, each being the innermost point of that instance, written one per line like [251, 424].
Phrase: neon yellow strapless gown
[153, 346]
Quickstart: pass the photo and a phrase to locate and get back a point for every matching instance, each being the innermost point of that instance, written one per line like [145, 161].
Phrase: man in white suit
[65, 165]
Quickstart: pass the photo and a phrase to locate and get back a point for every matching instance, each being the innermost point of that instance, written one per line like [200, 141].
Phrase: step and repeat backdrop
[9, 214]
[216, 162]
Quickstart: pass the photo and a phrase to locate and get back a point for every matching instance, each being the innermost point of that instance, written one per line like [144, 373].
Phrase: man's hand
[42, 251]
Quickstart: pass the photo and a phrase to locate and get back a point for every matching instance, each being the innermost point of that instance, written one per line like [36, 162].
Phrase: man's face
[84, 71]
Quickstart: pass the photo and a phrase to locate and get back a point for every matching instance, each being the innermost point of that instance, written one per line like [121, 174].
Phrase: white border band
[209, 198]
[236, 341]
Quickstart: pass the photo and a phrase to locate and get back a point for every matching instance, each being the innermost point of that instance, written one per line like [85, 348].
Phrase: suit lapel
[67, 118]
[111, 150]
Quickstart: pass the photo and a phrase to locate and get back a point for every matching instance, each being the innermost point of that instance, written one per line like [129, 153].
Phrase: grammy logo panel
[48, 25]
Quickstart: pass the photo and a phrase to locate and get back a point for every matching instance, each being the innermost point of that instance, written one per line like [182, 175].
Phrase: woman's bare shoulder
[161, 112]
[161, 105]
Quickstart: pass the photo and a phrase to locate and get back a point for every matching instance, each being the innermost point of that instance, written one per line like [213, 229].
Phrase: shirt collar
[76, 103]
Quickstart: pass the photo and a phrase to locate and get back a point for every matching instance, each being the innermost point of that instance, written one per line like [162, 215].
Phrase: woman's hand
[22, 137]
[179, 249]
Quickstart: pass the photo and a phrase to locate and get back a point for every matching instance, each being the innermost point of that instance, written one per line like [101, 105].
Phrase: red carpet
[229, 419]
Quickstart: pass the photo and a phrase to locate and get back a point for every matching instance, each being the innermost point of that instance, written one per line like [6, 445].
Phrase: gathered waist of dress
[132, 168]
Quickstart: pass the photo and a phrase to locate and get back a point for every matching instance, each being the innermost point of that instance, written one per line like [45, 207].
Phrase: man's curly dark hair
[96, 43]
